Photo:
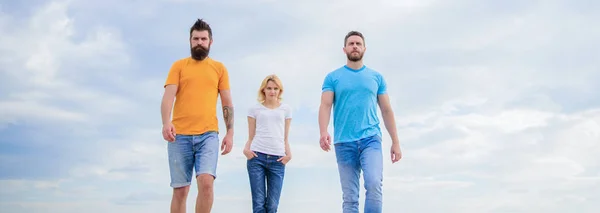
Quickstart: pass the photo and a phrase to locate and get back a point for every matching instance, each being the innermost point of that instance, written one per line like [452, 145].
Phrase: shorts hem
[206, 173]
[179, 185]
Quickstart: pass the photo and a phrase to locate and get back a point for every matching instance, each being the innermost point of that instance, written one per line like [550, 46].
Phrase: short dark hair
[353, 33]
[201, 25]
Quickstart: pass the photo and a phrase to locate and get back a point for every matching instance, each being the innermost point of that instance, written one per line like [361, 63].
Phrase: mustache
[199, 47]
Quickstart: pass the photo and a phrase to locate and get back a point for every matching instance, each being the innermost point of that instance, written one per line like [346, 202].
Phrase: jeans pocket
[254, 155]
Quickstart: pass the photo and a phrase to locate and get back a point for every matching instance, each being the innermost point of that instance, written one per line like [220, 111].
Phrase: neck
[354, 64]
[271, 103]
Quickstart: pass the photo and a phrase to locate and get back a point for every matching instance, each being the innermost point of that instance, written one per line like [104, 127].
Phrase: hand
[325, 141]
[395, 152]
[285, 159]
[168, 132]
[249, 153]
[227, 144]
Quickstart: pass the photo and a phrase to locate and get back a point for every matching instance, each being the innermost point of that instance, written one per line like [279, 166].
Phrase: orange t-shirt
[198, 84]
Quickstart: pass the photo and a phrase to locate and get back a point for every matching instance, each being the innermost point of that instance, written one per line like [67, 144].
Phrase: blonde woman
[267, 150]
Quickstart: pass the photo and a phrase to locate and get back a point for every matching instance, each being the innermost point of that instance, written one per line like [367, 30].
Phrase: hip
[194, 126]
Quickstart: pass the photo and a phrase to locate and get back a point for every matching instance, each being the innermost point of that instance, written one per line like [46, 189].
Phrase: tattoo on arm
[228, 116]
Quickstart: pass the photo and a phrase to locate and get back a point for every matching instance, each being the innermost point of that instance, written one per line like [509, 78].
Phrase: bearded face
[354, 48]
[200, 42]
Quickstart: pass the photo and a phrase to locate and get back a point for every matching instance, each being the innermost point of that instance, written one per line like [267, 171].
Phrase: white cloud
[48, 67]
[550, 157]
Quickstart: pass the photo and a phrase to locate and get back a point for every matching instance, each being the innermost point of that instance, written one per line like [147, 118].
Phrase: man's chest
[357, 83]
[200, 76]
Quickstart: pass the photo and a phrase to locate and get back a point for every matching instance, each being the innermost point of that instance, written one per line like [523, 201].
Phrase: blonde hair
[263, 85]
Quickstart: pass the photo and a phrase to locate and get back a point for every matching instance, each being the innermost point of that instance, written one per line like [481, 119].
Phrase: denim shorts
[192, 152]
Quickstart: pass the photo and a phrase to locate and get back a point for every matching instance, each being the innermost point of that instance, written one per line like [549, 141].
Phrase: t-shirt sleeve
[174, 74]
[288, 112]
[382, 85]
[224, 78]
[252, 112]
[327, 83]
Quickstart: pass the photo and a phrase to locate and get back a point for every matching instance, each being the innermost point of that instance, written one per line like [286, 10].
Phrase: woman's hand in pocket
[249, 153]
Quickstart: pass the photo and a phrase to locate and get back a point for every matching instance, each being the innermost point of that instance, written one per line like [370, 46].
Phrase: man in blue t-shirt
[355, 91]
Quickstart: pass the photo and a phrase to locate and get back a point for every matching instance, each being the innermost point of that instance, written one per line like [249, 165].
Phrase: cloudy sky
[497, 102]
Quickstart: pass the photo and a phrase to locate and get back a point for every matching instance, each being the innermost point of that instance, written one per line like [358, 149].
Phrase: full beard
[199, 52]
[354, 58]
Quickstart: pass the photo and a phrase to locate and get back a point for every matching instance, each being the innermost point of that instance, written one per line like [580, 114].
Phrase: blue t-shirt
[355, 102]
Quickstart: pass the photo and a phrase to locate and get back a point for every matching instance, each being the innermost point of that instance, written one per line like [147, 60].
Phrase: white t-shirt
[269, 136]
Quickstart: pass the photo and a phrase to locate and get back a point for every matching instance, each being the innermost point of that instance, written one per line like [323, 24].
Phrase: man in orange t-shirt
[193, 85]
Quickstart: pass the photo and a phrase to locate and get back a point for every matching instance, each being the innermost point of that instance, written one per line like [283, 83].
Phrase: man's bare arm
[325, 110]
[227, 104]
[167, 103]
[168, 130]
[324, 114]
[388, 116]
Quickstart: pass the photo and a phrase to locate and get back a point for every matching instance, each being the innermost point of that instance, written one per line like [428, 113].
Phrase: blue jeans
[265, 196]
[352, 157]
[188, 152]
